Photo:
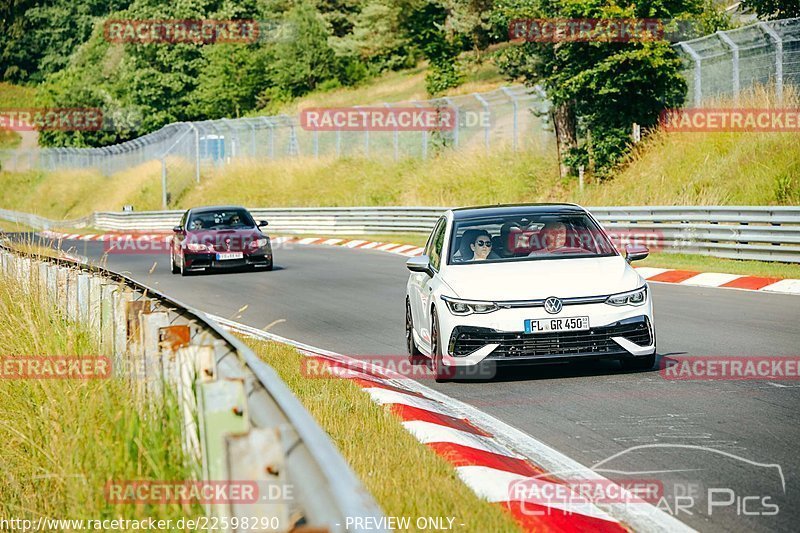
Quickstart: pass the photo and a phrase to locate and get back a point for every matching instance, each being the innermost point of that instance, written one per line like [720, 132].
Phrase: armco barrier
[240, 421]
[764, 233]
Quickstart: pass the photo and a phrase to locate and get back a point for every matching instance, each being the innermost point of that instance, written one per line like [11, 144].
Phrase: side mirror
[177, 229]
[635, 252]
[421, 263]
[262, 223]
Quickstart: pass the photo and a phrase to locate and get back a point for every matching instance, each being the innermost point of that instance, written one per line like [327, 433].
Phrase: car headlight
[637, 297]
[197, 247]
[467, 307]
[259, 243]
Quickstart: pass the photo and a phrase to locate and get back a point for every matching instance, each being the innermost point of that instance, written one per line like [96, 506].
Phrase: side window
[436, 243]
[183, 220]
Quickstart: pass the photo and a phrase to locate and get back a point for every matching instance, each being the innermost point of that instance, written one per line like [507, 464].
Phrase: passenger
[481, 246]
[503, 247]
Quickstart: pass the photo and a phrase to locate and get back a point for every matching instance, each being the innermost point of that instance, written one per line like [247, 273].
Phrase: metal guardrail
[763, 233]
[240, 421]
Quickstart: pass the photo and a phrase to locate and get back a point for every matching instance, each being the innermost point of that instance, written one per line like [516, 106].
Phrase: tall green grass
[63, 440]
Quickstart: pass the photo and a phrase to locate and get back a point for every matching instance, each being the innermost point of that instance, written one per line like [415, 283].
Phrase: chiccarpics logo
[198, 31]
[378, 118]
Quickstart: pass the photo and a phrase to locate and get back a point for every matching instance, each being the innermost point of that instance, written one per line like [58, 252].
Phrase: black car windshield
[527, 237]
[220, 219]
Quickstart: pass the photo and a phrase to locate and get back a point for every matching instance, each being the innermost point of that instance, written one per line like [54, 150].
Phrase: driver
[554, 237]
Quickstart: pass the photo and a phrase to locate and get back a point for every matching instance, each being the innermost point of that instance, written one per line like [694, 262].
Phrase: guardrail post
[188, 373]
[108, 295]
[134, 311]
[82, 294]
[121, 299]
[170, 339]
[61, 288]
[223, 408]
[72, 294]
[151, 352]
[258, 455]
[95, 302]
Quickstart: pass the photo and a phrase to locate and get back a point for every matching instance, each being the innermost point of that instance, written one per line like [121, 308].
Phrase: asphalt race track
[351, 301]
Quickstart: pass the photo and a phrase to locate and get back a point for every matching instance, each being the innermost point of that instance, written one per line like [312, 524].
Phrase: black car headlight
[635, 298]
[468, 307]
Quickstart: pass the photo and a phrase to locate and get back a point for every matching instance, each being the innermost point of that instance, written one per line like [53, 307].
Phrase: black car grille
[466, 340]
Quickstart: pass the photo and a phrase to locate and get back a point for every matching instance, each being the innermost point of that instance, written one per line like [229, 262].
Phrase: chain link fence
[514, 117]
[728, 62]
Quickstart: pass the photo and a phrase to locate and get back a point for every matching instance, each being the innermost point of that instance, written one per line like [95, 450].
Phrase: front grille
[466, 340]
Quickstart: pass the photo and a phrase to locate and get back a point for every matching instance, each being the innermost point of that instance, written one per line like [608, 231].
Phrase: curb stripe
[461, 455]
[673, 276]
[409, 413]
[750, 282]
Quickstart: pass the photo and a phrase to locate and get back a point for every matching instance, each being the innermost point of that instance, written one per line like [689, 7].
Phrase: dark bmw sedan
[219, 237]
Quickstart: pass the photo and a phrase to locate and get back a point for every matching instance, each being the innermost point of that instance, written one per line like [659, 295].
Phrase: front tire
[175, 268]
[440, 372]
[414, 355]
[183, 270]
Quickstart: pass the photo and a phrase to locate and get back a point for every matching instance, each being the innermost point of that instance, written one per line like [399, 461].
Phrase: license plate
[548, 325]
[229, 255]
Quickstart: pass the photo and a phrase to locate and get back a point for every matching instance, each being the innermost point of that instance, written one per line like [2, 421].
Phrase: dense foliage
[599, 89]
[303, 46]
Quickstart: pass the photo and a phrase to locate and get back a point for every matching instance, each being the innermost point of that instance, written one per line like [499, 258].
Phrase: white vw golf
[525, 284]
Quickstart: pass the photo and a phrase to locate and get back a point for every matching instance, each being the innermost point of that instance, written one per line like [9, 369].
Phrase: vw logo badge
[553, 305]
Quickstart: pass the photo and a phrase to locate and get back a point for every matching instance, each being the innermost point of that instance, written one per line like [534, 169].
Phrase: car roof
[215, 208]
[463, 213]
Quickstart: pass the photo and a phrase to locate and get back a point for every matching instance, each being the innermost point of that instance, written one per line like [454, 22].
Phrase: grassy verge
[406, 478]
[63, 440]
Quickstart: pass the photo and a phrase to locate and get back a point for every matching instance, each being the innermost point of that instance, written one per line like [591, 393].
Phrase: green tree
[774, 9]
[40, 36]
[598, 89]
[305, 60]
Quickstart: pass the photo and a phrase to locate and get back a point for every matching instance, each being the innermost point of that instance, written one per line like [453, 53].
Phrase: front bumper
[614, 333]
[208, 261]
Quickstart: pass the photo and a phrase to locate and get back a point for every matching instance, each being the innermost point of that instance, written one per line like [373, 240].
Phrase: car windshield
[220, 219]
[527, 237]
